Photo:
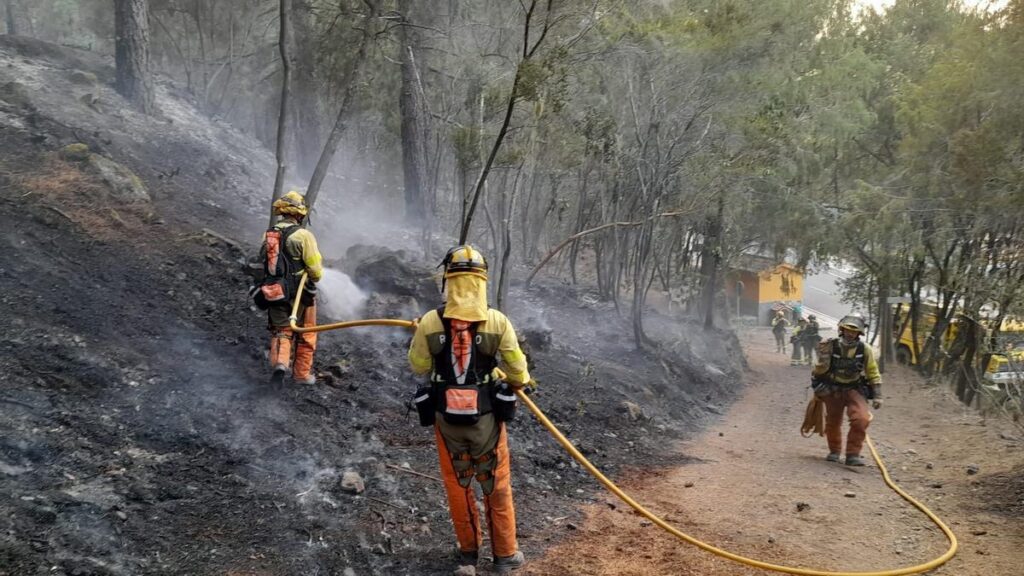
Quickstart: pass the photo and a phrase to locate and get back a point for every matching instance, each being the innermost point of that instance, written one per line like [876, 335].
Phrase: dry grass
[59, 179]
[70, 190]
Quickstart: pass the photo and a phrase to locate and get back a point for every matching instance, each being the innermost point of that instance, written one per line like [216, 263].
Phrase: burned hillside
[136, 433]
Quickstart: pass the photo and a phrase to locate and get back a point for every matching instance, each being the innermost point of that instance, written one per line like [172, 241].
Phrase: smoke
[338, 297]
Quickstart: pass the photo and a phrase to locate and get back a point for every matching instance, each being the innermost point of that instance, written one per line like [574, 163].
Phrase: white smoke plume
[338, 297]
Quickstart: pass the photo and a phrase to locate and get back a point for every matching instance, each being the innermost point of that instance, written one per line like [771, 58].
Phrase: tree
[341, 120]
[9, 18]
[284, 45]
[527, 69]
[131, 55]
[306, 108]
[411, 108]
[642, 145]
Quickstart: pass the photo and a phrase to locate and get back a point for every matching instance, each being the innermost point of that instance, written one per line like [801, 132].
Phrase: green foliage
[533, 74]
[466, 144]
[892, 139]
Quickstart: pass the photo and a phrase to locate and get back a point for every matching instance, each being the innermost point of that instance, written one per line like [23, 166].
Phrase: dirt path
[758, 489]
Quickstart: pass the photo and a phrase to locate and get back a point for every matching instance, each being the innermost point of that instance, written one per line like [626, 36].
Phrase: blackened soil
[136, 435]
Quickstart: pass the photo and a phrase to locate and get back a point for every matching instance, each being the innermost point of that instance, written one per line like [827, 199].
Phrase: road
[752, 486]
[821, 294]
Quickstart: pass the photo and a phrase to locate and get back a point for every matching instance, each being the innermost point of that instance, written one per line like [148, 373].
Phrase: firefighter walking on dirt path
[810, 338]
[797, 340]
[288, 251]
[468, 400]
[845, 378]
[779, 324]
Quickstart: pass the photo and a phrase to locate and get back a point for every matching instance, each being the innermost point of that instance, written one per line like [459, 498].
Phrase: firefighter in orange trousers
[291, 249]
[845, 378]
[468, 400]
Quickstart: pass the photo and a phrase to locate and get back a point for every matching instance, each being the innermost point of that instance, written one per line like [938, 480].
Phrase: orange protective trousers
[857, 409]
[498, 507]
[282, 338]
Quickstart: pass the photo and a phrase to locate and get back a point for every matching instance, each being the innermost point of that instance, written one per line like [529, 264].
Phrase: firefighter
[797, 340]
[810, 338]
[289, 239]
[845, 378]
[459, 345]
[779, 324]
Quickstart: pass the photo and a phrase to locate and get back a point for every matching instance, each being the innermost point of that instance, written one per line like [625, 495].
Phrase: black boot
[466, 563]
[509, 563]
[277, 378]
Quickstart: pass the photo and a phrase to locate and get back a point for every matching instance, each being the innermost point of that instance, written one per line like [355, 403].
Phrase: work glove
[529, 386]
[876, 403]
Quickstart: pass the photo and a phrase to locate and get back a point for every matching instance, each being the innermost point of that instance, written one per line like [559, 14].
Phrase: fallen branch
[222, 238]
[61, 212]
[386, 503]
[579, 235]
[117, 217]
[414, 473]
[20, 403]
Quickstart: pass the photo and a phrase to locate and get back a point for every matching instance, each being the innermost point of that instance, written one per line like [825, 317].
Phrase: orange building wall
[751, 285]
[748, 303]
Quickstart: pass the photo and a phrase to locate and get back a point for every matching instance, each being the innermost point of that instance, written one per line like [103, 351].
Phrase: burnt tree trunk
[510, 105]
[131, 54]
[580, 213]
[411, 106]
[710, 261]
[340, 122]
[305, 99]
[967, 378]
[9, 19]
[281, 150]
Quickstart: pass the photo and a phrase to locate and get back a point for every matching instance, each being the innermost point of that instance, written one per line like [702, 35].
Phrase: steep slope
[135, 434]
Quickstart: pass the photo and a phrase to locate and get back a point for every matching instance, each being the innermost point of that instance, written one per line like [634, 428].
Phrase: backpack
[279, 281]
[462, 404]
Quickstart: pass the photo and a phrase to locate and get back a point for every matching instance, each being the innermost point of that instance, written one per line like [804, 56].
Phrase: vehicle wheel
[903, 355]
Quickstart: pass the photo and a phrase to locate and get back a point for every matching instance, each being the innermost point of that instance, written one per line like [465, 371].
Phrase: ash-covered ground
[136, 436]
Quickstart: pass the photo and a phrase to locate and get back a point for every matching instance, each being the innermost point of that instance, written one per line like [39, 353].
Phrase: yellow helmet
[464, 260]
[291, 204]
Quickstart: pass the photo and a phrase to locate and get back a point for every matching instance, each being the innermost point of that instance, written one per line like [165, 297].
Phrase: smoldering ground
[136, 436]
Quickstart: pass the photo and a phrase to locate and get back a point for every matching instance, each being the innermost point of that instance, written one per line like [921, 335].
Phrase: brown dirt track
[751, 470]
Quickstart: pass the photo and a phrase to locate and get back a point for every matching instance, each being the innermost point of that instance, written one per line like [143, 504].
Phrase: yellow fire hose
[611, 487]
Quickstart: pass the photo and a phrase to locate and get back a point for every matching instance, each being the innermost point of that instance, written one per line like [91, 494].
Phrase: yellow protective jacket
[302, 246]
[496, 333]
[870, 372]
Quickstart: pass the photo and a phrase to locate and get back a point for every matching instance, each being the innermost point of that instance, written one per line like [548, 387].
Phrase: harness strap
[486, 378]
[286, 233]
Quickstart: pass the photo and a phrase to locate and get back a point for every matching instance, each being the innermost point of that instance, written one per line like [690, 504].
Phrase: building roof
[757, 263]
